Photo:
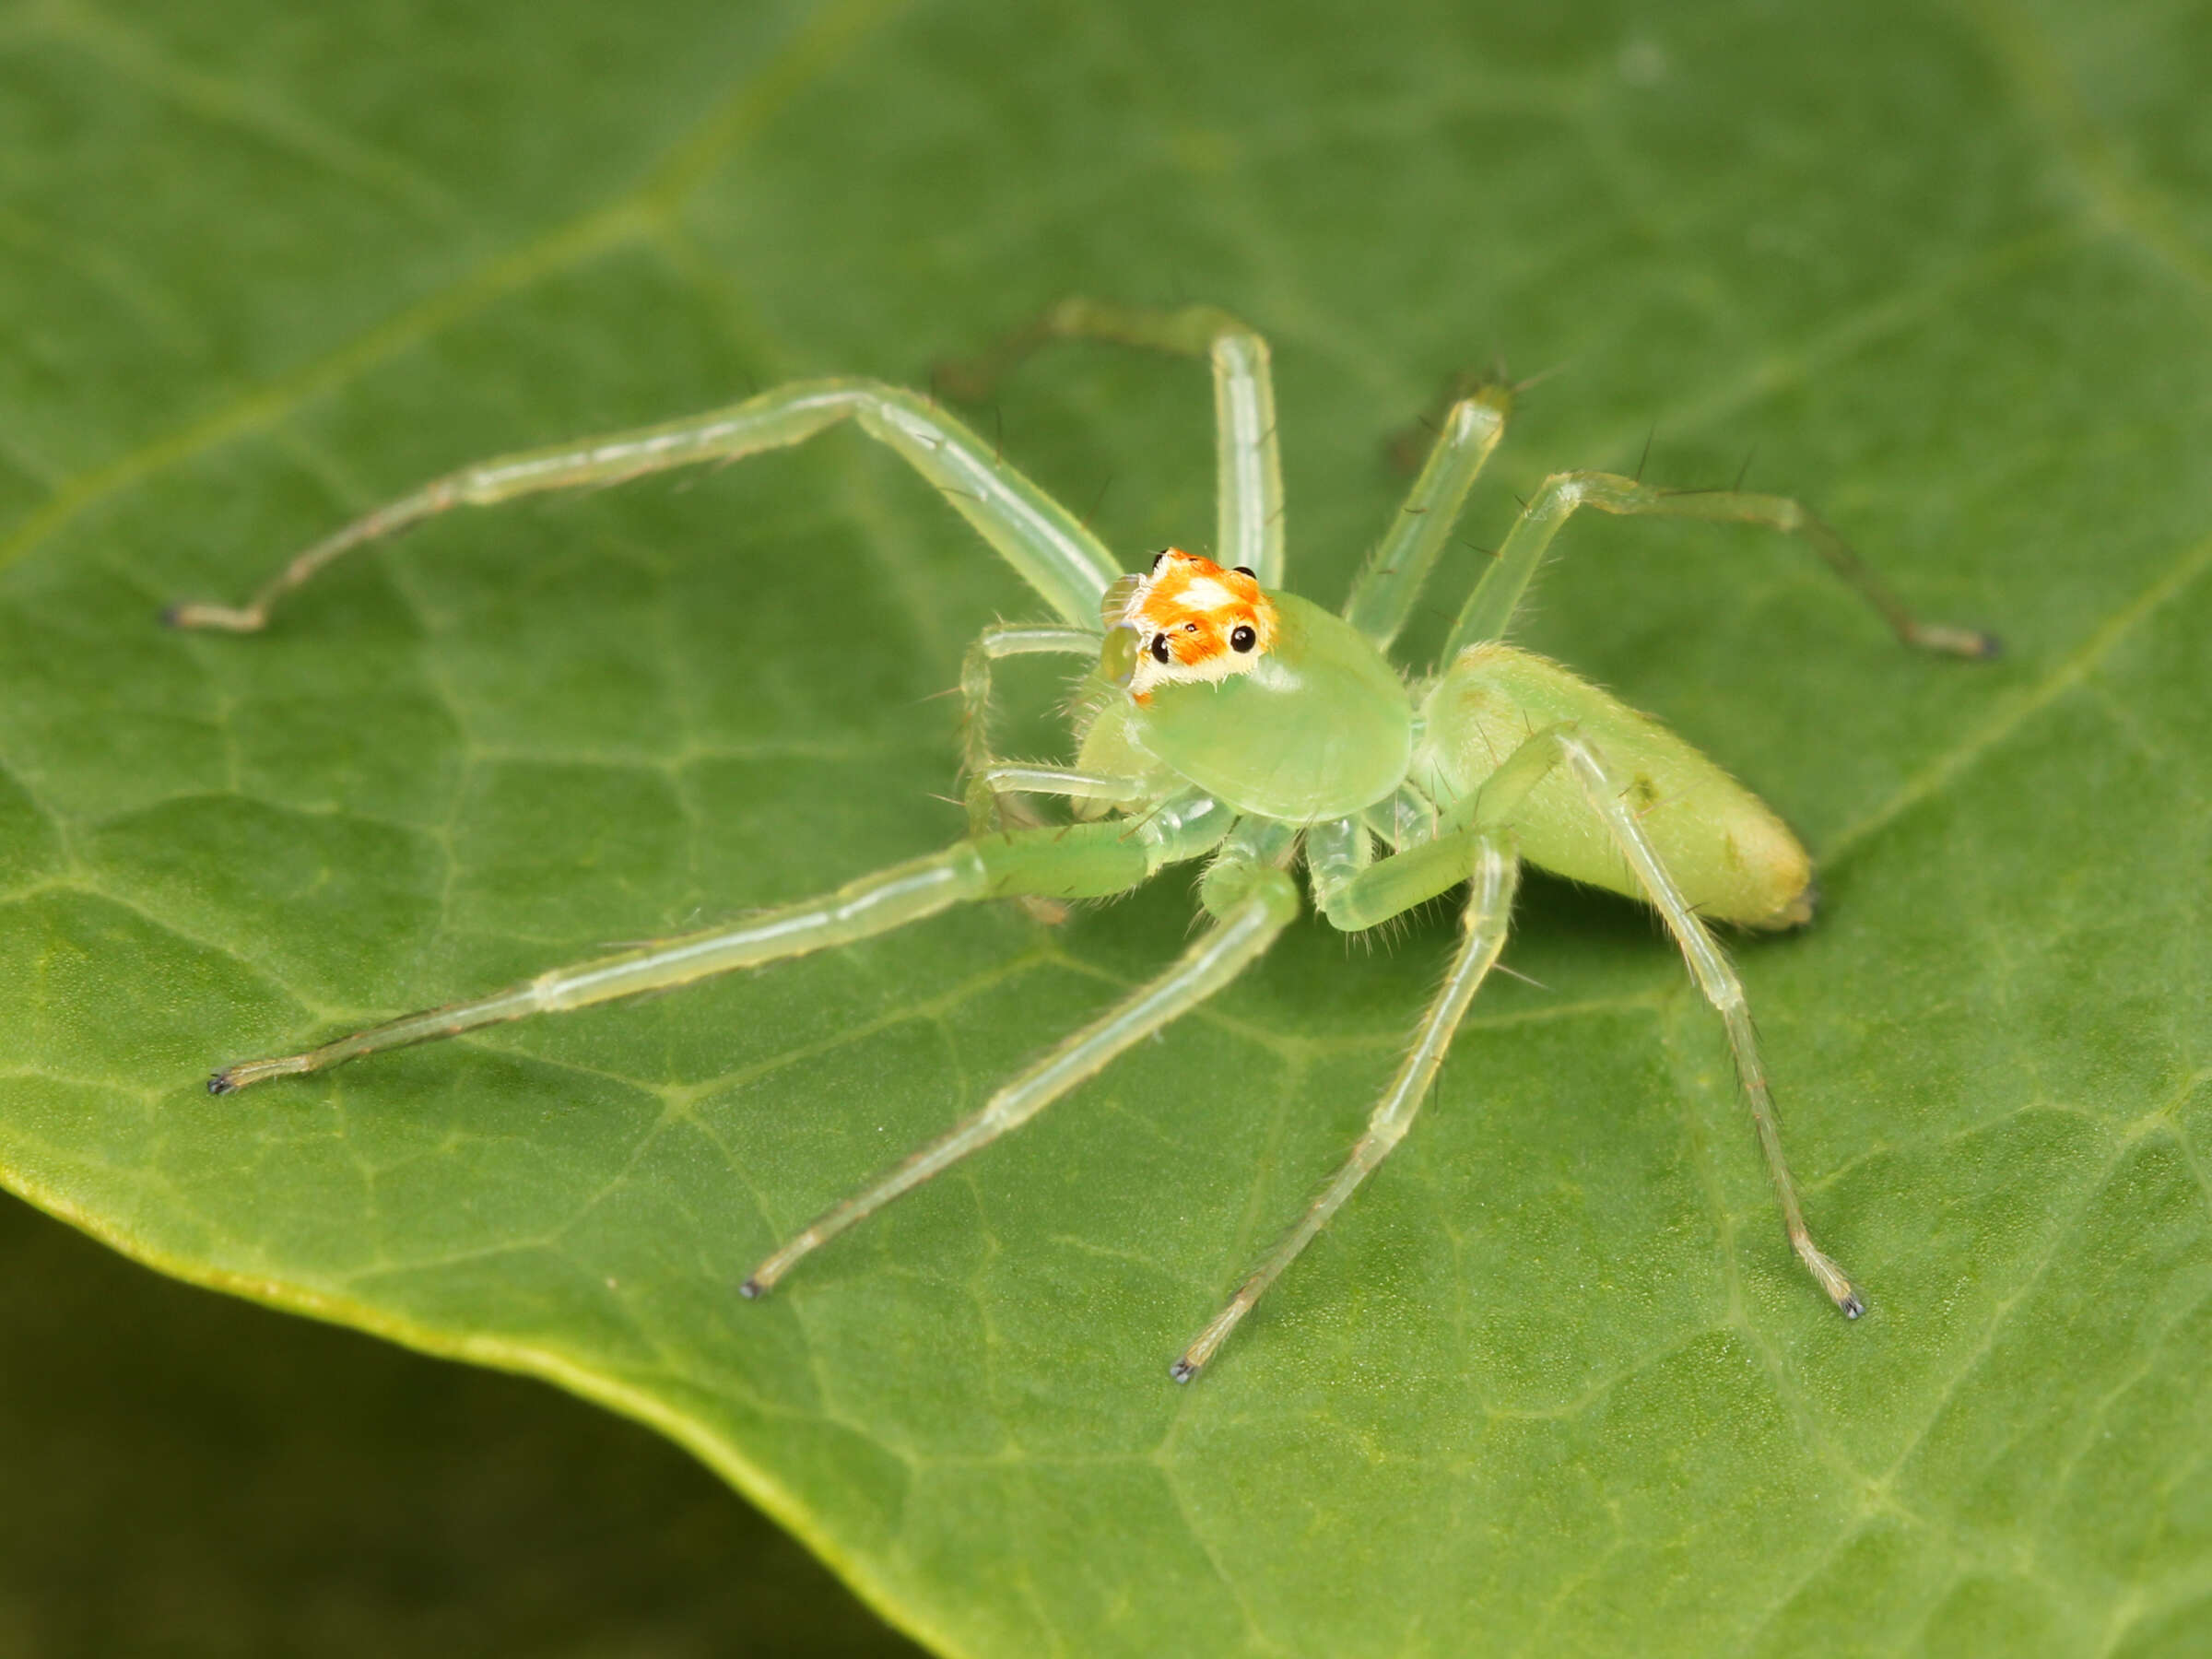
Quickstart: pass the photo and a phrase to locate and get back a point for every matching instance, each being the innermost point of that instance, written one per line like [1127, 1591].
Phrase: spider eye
[1190, 628]
[1160, 648]
[1242, 639]
[1160, 557]
[1244, 571]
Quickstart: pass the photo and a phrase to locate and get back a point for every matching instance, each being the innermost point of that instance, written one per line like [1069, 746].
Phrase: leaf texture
[1552, 1384]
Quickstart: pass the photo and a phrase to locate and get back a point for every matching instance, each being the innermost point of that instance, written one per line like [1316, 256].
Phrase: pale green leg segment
[1382, 596]
[1252, 901]
[1051, 550]
[1248, 465]
[1496, 597]
[1405, 819]
[994, 793]
[1495, 870]
[1717, 980]
[993, 644]
[1071, 862]
[977, 755]
[1353, 892]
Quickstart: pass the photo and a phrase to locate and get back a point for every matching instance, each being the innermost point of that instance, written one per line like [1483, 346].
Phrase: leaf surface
[1552, 1383]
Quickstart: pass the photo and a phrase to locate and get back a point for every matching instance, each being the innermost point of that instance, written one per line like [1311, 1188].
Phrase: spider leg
[1041, 539]
[1489, 609]
[1403, 820]
[1383, 593]
[996, 791]
[977, 756]
[1252, 901]
[1353, 891]
[1720, 984]
[1567, 746]
[1248, 467]
[1489, 855]
[1063, 862]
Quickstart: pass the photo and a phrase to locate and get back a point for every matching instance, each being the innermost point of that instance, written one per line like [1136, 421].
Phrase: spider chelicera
[1225, 719]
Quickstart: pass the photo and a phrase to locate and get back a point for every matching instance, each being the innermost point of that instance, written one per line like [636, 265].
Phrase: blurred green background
[1552, 1384]
[190, 1475]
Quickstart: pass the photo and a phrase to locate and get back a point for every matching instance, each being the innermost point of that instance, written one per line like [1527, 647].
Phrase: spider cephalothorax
[1195, 621]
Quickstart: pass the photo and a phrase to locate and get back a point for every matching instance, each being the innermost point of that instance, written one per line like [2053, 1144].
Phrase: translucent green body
[1313, 748]
[1323, 728]
[1319, 728]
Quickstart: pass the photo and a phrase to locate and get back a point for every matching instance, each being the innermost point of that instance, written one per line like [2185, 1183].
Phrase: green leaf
[1552, 1381]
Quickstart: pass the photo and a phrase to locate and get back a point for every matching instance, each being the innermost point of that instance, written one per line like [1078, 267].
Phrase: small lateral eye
[1244, 571]
[1241, 638]
[1160, 648]
[1190, 628]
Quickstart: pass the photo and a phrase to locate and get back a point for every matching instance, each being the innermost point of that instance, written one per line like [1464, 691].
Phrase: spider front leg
[1248, 476]
[1390, 582]
[996, 808]
[1066, 862]
[1041, 539]
[1489, 609]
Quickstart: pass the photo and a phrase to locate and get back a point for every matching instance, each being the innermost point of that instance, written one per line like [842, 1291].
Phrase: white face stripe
[1205, 594]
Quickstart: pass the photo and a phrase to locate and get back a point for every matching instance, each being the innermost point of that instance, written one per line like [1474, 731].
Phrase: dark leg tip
[1182, 1371]
[1853, 1307]
[1993, 646]
[750, 1289]
[222, 1083]
[173, 616]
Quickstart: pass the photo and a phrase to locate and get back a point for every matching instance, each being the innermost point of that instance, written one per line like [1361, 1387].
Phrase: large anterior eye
[1241, 638]
[1160, 648]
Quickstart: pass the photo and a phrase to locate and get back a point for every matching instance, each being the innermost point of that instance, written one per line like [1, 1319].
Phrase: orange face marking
[1195, 621]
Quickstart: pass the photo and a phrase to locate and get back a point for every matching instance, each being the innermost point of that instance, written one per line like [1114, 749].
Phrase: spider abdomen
[1734, 859]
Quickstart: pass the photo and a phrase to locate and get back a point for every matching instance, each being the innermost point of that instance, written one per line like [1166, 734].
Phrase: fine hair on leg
[1051, 549]
[1489, 913]
[1248, 477]
[1241, 936]
[1722, 988]
[1389, 584]
[1489, 609]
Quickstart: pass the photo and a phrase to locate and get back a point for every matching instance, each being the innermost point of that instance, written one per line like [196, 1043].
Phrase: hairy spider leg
[1251, 901]
[1009, 780]
[1390, 582]
[1248, 469]
[1717, 980]
[995, 808]
[1489, 609]
[1044, 542]
[1354, 894]
[1064, 862]
[1567, 745]
[1495, 871]
[1478, 842]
